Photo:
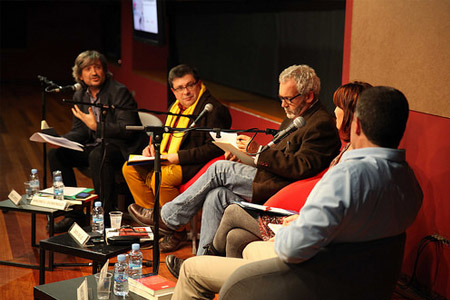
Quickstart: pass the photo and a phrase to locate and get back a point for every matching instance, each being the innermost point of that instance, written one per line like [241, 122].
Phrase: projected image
[145, 15]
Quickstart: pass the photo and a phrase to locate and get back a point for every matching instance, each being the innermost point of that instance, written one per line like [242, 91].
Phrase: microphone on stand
[74, 87]
[297, 123]
[208, 108]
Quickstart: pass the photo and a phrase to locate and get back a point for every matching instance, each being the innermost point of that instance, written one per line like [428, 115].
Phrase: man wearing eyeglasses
[183, 153]
[302, 154]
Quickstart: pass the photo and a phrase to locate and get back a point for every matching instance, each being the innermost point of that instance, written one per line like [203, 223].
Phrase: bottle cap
[97, 204]
[33, 171]
[121, 257]
[135, 247]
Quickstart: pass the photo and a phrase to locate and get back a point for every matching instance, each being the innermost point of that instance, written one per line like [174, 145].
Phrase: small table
[8, 205]
[67, 290]
[64, 243]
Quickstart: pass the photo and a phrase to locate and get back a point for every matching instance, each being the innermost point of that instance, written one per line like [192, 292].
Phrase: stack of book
[152, 287]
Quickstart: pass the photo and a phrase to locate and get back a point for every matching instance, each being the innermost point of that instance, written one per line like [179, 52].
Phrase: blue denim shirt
[371, 193]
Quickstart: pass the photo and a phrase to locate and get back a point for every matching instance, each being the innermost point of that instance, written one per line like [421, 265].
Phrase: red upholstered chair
[183, 187]
[293, 196]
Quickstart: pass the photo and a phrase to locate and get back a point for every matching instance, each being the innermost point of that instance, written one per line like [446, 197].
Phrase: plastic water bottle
[135, 262]
[121, 276]
[98, 218]
[34, 181]
[58, 188]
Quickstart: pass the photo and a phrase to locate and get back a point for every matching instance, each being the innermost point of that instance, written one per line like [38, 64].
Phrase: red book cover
[155, 285]
[138, 231]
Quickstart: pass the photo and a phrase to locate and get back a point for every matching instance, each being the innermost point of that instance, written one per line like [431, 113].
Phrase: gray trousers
[223, 183]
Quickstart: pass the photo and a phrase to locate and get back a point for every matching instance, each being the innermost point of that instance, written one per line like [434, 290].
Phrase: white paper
[58, 141]
[78, 234]
[68, 191]
[243, 157]
[280, 211]
[82, 291]
[14, 197]
[225, 137]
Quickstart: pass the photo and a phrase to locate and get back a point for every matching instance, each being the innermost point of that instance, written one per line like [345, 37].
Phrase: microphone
[297, 123]
[208, 108]
[74, 87]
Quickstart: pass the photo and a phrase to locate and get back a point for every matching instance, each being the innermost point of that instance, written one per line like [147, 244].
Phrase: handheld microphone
[208, 108]
[297, 123]
[74, 87]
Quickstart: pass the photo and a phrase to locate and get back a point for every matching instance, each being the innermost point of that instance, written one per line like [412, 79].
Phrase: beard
[293, 113]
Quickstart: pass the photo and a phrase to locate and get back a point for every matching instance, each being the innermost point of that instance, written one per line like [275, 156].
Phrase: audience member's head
[345, 99]
[299, 89]
[86, 59]
[383, 112]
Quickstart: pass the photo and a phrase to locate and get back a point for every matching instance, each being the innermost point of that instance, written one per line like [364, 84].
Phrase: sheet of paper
[225, 137]
[82, 291]
[68, 191]
[58, 141]
[243, 157]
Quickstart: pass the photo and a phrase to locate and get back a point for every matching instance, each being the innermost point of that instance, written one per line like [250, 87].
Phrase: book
[135, 159]
[144, 233]
[152, 287]
[253, 206]
[42, 137]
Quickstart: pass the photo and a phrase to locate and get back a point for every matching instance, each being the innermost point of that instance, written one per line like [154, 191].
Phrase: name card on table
[82, 291]
[78, 234]
[48, 202]
[14, 197]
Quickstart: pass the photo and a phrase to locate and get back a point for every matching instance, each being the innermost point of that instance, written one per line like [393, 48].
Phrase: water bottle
[135, 262]
[34, 181]
[58, 188]
[121, 276]
[98, 218]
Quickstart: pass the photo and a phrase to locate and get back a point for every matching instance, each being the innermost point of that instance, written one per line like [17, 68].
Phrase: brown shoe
[173, 241]
[144, 217]
[173, 264]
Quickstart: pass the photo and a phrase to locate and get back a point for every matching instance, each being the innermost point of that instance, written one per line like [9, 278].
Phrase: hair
[345, 97]
[304, 77]
[180, 71]
[85, 59]
[383, 112]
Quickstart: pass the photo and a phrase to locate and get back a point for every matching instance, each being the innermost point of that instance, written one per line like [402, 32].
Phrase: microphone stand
[158, 132]
[44, 82]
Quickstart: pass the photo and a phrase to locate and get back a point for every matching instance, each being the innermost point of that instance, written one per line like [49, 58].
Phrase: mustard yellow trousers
[141, 182]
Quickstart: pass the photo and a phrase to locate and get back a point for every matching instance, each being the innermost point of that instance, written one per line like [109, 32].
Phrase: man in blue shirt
[372, 194]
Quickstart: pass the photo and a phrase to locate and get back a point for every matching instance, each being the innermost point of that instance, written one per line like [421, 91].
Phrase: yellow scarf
[177, 137]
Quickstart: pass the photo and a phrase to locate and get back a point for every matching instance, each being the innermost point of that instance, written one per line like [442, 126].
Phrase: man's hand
[148, 151]
[288, 220]
[230, 156]
[243, 140]
[88, 119]
[172, 158]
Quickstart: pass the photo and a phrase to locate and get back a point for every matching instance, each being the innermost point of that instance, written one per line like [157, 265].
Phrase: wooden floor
[20, 117]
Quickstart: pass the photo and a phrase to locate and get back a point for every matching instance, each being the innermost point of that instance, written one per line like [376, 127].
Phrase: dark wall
[248, 50]
[44, 37]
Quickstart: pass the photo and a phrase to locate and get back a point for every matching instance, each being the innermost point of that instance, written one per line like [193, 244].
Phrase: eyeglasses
[190, 86]
[287, 99]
